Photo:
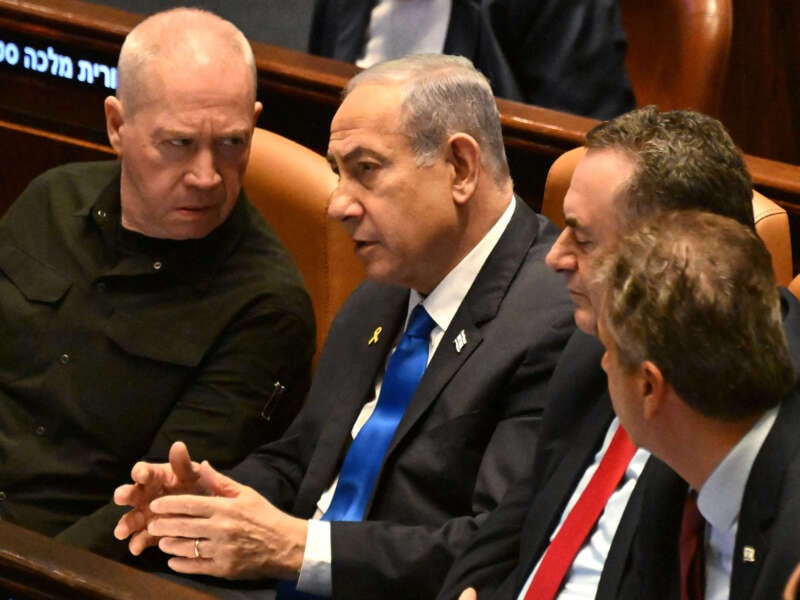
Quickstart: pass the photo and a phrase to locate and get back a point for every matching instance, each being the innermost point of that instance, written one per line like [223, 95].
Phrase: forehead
[222, 86]
[597, 180]
[370, 112]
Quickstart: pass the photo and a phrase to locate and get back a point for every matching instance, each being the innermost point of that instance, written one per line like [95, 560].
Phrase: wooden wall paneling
[36, 567]
[761, 95]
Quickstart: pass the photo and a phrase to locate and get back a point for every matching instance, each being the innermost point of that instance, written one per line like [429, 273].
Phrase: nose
[203, 172]
[343, 205]
[561, 256]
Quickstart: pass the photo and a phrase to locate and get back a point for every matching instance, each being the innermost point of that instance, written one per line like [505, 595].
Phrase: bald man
[144, 299]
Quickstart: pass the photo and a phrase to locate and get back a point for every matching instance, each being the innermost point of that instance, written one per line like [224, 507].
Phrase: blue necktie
[365, 455]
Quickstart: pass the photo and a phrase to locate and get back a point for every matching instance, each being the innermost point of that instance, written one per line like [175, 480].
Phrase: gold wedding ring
[197, 548]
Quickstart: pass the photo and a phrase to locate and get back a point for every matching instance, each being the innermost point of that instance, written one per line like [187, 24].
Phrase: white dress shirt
[583, 577]
[441, 304]
[401, 27]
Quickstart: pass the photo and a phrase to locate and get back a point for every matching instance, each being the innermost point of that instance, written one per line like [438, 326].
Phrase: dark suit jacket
[566, 56]
[468, 431]
[642, 561]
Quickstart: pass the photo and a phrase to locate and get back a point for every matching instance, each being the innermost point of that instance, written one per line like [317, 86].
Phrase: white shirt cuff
[315, 574]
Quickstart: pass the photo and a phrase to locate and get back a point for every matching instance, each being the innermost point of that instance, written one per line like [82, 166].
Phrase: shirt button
[64, 359]
[40, 430]
[101, 214]
[2, 496]
[157, 265]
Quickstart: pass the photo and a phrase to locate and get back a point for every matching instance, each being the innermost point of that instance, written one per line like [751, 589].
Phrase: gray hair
[443, 95]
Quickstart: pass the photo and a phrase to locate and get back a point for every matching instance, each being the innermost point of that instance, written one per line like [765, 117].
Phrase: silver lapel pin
[460, 341]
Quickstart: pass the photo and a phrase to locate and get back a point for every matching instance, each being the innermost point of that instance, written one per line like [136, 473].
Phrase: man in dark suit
[640, 164]
[425, 192]
[699, 374]
[568, 56]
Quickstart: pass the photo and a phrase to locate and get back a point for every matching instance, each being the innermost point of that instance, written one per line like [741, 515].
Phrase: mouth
[195, 211]
[362, 245]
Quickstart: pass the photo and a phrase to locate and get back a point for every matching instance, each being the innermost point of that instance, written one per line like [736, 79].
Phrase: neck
[695, 445]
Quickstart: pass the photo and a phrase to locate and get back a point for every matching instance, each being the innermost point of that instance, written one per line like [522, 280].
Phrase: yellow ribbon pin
[375, 335]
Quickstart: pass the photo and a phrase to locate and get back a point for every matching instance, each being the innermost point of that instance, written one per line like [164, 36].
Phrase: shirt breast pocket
[31, 293]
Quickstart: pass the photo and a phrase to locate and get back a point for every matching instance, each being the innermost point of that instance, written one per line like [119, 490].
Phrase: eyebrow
[168, 133]
[576, 226]
[356, 153]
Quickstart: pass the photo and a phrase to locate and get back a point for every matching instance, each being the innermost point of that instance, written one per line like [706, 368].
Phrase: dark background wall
[280, 22]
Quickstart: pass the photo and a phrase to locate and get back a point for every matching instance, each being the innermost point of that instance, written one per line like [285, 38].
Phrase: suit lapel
[759, 502]
[480, 305]
[553, 494]
[643, 559]
[366, 350]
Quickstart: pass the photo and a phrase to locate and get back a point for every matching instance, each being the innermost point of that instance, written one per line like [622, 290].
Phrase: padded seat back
[290, 185]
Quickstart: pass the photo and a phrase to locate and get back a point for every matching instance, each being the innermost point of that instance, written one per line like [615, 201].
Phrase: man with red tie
[700, 375]
[640, 164]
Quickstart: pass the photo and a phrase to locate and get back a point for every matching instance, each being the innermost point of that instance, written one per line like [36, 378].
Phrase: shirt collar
[194, 261]
[720, 498]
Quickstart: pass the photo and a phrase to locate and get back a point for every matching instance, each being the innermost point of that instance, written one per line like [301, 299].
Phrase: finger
[216, 483]
[180, 461]
[124, 494]
[135, 495]
[131, 522]
[185, 547]
[147, 474]
[193, 566]
[140, 541]
[178, 527]
[189, 505]
[468, 594]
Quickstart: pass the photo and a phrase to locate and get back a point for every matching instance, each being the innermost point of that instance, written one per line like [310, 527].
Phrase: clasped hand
[241, 534]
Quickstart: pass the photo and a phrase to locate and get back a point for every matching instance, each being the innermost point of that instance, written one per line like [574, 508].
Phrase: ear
[653, 389]
[465, 157]
[256, 112]
[114, 121]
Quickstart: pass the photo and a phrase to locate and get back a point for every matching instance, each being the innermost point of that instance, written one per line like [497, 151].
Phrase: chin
[586, 321]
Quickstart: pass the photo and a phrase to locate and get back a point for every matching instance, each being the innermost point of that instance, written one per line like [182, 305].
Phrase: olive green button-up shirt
[113, 345]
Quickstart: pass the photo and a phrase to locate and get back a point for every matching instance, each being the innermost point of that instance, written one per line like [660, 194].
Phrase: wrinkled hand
[241, 534]
[468, 594]
[151, 481]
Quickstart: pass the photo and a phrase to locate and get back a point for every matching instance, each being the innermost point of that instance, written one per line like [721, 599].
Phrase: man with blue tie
[407, 440]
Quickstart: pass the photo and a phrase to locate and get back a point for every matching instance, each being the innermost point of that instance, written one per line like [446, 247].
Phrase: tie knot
[420, 323]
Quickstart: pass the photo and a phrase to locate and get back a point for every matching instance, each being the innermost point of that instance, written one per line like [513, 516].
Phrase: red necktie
[691, 550]
[581, 519]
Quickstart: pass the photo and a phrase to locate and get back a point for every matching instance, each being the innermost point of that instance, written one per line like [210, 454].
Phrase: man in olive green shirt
[144, 300]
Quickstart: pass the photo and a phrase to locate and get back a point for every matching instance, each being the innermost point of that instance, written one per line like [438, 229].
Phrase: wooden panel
[35, 567]
[761, 97]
